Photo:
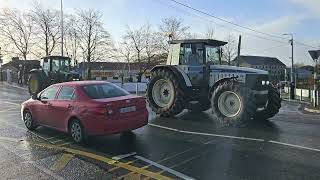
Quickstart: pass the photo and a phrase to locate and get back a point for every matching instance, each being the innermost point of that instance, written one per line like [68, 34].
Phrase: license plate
[128, 109]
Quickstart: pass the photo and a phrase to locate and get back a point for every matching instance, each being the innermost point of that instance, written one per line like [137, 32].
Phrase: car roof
[80, 83]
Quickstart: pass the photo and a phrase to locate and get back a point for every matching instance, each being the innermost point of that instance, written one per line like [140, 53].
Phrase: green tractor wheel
[34, 84]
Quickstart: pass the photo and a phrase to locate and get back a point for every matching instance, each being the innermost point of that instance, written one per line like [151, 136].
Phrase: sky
[275, 17]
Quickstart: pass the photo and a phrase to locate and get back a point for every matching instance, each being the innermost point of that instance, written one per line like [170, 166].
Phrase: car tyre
[76, 131]
[28, 120]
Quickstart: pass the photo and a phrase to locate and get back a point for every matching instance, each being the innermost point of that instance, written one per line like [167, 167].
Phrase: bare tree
[136, 39]
[230, 49]
[173, 27]
[152, 44]
[210, 32]
[16, 29]
[94, 40]
[47, 26]
[71, 38]
[126, 52]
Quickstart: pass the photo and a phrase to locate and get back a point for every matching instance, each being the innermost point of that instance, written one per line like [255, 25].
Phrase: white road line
[293, 145]
[206, 134]
[53, 142]
[122, 156]
[176, 173]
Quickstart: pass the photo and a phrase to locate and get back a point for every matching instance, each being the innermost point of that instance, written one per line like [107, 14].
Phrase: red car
[83, 108]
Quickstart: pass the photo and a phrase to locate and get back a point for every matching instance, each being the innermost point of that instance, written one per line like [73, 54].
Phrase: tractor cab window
[45, 65]
[212, 55]
[60, 65]
[191, 54]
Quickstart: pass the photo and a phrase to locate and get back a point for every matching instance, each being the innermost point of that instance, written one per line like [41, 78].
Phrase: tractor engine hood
[235, 69]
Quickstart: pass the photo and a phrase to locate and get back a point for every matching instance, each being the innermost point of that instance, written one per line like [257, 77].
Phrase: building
[14, 65]
[116, 71]
[273, 65]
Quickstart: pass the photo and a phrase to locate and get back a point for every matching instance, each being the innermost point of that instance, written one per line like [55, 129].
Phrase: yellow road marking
[62, 162]
[115, 168]
[105, 160]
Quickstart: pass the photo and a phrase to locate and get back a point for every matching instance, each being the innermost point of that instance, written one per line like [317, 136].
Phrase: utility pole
[239, 49]
[62, 33]
[292, 83]
[1, 79]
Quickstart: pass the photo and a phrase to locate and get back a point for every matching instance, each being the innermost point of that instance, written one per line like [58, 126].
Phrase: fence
[306, 94]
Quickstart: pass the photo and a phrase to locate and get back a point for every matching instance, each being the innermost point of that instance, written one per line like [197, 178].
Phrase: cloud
[311, 5]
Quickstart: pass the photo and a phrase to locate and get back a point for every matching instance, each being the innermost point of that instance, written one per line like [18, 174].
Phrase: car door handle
[49, 104]
[69, 106]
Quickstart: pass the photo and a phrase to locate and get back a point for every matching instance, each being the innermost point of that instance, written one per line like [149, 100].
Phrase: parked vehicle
[84, 108]
[190, 80]
[54, 69]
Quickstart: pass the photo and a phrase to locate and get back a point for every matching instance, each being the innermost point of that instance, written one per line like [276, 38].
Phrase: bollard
[300, 94]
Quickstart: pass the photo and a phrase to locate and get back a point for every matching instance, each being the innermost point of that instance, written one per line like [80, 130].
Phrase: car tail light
[110, 110]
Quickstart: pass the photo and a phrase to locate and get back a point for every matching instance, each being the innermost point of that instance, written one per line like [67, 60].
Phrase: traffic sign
[315, 54]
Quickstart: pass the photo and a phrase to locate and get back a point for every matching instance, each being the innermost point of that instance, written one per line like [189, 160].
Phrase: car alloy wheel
[27, 118]
[76, 132]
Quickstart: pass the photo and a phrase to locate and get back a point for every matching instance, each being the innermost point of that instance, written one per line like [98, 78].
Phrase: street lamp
[292, 84]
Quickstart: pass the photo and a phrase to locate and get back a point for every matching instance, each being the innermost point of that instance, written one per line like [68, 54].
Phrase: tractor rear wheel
[164, 94]
[233, 103]
[272, 106]
[34, 84]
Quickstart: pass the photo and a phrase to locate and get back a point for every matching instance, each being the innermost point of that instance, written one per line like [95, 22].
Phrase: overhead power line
[235, 24]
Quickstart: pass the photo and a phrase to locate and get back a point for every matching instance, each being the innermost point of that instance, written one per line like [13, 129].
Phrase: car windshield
[101, 91]
[60, 64]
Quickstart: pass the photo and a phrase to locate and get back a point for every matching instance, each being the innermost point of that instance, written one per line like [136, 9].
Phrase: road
[190, 146]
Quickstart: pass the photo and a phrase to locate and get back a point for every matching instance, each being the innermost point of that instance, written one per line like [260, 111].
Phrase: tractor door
[192, 58]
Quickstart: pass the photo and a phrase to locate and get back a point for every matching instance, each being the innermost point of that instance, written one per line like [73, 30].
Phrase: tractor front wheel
[233, 103]
[164, 94]
[34, 84]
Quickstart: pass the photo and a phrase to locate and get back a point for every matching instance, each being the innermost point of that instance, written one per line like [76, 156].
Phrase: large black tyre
[233, 103]
[272, 107]
[35, 84]
[164, 94]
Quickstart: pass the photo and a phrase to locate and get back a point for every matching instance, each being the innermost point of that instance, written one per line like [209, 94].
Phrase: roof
[211, 42]
[260, 60]
[60, 57]
[28, 63]
[80, 83]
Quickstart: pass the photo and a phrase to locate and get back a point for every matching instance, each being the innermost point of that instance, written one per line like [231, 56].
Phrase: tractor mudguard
[182, 78]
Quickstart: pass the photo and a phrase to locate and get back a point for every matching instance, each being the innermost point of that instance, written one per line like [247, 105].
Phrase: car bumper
[105, 126]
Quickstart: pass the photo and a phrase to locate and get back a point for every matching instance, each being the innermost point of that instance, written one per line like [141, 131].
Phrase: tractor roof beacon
[54, 69]
[193, 79]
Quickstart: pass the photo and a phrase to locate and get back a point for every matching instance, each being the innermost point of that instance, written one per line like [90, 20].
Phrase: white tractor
[191, 80]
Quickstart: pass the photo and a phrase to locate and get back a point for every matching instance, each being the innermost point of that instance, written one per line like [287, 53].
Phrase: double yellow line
[90, 155]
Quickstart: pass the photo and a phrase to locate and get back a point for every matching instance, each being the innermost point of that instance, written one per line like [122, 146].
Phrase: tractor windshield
[191, 54]
[60, 64]
[212, 54]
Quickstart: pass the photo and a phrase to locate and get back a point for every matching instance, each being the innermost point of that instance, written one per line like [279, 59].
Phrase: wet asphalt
[188, 146]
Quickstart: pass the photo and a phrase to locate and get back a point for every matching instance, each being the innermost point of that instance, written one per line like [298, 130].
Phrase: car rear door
[62, 107]
[43, 107]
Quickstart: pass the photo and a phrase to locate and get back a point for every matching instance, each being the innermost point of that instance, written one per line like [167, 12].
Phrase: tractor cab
[194, 57]
[56, 64]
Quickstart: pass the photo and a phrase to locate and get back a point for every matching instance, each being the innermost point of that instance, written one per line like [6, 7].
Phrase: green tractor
[54, 69]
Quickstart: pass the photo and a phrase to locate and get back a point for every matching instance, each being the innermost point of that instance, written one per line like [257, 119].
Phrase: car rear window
[101, 91]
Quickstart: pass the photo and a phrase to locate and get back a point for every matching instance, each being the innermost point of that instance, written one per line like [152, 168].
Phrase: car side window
[49, 93]
[66, 93]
